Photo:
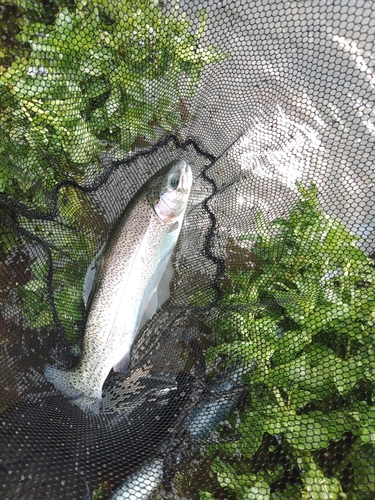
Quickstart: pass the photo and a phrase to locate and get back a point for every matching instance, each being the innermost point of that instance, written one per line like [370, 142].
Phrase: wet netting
[252, 372]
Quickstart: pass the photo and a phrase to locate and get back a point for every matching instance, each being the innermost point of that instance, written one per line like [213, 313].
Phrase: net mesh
[256, 377]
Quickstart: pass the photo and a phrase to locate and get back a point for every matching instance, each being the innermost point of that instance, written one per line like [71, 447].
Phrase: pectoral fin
[174, 226]
[157, 293]
[163, 290]
[123, 364]
[150, 309]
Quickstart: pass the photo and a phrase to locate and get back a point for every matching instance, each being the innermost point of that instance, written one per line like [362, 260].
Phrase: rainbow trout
[126, 293]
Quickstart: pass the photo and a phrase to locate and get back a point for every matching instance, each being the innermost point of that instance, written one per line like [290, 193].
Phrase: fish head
[170, 193]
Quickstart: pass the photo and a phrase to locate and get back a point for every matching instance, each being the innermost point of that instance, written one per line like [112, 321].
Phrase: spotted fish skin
[133, 264]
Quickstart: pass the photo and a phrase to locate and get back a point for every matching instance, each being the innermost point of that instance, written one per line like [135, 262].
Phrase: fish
[225, 393]
[141, 484]
[126, 290]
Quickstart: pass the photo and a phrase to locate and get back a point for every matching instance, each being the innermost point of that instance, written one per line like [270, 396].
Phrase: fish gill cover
[256, 377]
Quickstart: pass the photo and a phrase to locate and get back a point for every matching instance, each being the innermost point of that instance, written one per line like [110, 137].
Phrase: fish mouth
[173, 199]
[186, 177]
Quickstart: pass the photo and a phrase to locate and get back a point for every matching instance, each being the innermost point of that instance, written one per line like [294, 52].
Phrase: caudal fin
[61, 379]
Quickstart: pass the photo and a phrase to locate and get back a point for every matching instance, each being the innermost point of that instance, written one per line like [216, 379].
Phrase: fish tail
[62, 380]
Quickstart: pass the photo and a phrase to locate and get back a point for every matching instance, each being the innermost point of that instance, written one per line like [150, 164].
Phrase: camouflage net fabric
[256, 378]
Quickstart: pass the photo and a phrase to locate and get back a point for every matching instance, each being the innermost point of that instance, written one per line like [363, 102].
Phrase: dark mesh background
[293, 101]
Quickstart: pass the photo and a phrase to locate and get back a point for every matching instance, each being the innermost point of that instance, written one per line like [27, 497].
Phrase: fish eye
[174, 181]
